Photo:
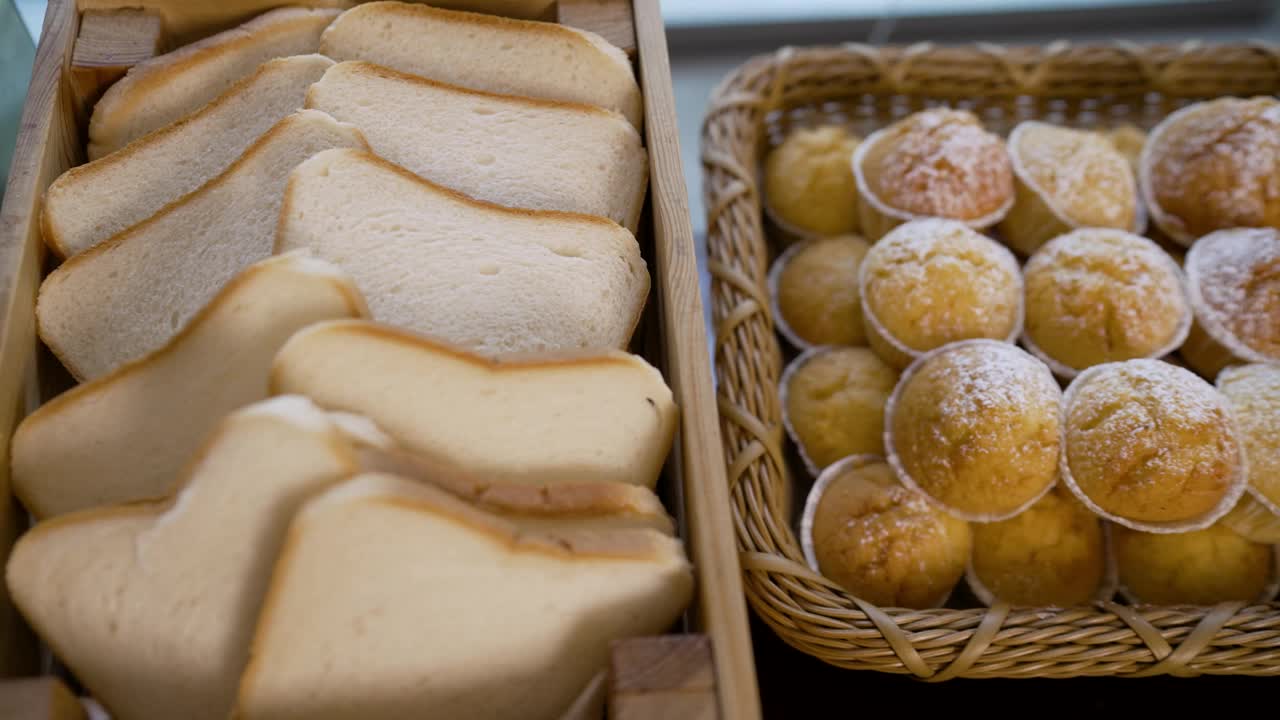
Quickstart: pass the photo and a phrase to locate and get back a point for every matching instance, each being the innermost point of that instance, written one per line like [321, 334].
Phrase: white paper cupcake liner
[1168, 224]
[894, 352]
[1180, 332]
[1107, 587]
[833, 471]
[878, 218]
[784, 391]
[1229, 499]
[895, 461]
[779, 320]
[1209, 321]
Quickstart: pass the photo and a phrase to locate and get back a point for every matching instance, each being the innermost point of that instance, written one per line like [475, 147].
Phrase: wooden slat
[610, 19]
[722, 612]
[38, 698]
[47, 144]
[670, 677]
[108, 44]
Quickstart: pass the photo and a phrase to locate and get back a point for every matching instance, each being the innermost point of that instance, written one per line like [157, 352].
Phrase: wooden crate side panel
[722, 609]
[47, 144]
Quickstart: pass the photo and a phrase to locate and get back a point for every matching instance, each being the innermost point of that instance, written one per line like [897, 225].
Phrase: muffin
[1066, 179]
[1233, 277]
[808, 182]
[1202, 567]
[975, 425]
[880, 540]
[814, 287]
[1151, 446]
[932, 282]
[1128, 140]
[833, 403]
[1214, 165]
[1095, 296]
[934, 163]
[1052, 555]
[1253, 393]
[1254, 521]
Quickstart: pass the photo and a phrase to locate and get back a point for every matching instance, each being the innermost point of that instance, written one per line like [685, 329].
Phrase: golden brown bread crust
[1213, 165]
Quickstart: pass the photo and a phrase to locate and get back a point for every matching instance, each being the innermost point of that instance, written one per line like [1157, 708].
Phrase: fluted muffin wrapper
[1257, 522]
[1268, 593]
[1235, 489]
[784, 391]
[775, 277]
[1034, 220]
[833, 471]
[1176, 341]
[1107, 586]
[897, 354]
[878, 218]
[899, 469]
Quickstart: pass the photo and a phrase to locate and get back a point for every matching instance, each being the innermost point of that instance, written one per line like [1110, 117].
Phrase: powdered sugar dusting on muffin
[1237, 276]
[1082, 176]
[943, 163]
[1254, 394]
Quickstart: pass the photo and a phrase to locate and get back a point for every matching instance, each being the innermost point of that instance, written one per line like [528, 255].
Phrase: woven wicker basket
[866, 88]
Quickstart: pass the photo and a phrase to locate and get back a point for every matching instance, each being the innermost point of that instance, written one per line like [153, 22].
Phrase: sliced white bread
[90, 203]
[494, 54]
[545, 419]
[38, 698]
[152, 605]
[394, 599]
[569, 505]
[482, 276]
[128, 434]
[514, 151]
[168, 87]
[128, 296]
[185, 20]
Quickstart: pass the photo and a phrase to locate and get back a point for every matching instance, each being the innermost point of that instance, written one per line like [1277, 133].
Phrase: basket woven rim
[806, 610]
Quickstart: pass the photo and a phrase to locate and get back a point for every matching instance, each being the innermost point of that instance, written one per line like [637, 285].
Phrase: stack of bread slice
[349, 296]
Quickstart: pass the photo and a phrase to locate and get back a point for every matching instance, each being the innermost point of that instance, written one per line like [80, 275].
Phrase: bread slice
[38, 698]
[185, 20]
[393, 599]
[126, 435]
[569, 505]
[482, 276]
[542, 420]
[166, 88]
[152, 605]
[90, 203]
[514, 151]
[483, 52]
[127, 297]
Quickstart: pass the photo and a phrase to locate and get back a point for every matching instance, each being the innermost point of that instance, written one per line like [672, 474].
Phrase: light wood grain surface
[109, 43]
[671, 677]
[723, 614]
[610, 19]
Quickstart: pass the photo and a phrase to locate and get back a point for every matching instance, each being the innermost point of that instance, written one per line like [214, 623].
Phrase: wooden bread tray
[85, 45]
[866, 88]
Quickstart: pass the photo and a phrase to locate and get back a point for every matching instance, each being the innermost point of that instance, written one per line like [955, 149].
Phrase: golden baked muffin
[833, 403]
[880, 540]
[1151, 446]
[1254, 521]
[814, 286]
[1129, 141]
[808, 182]
[1253, 392]
[1052, 555]
[1214, 165]
[1100, 295]
[1066, 179]
[934, 163]
[975, 426]
[1233, 277]
[1201, 567]
[931, 282]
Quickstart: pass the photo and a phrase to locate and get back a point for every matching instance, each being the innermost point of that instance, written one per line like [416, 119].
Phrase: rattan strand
[866, 87]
